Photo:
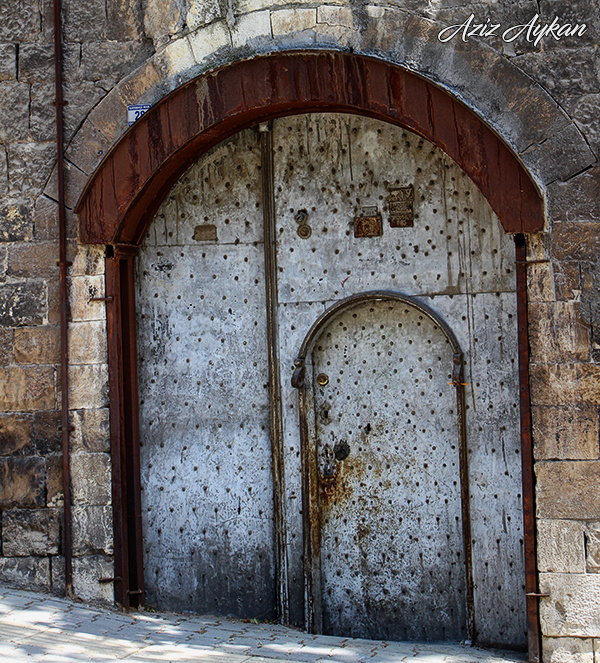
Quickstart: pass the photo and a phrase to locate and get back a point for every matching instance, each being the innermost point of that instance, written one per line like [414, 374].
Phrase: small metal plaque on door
[400, 206]
[368, 224]
[205, 233]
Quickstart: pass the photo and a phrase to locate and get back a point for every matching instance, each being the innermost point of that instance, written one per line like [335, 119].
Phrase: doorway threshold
[36, 626]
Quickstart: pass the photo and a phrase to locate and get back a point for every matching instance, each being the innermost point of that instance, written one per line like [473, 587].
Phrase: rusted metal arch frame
[311, 531]
[377, 296]
[121, 197]
[123, 194]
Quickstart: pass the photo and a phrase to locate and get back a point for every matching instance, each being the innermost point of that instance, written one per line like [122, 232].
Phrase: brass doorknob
[323, 379]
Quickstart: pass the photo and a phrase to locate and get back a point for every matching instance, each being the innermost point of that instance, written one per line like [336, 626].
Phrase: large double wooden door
[232, 489]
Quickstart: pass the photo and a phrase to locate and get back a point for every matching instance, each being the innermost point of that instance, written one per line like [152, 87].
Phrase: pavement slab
[37, 628]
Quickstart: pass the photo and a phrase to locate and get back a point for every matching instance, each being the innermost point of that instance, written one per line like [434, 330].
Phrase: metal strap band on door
[276, 426]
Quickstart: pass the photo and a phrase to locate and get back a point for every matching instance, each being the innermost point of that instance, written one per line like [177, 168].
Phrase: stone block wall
[565, 382]
[544, 100]
[100, 48]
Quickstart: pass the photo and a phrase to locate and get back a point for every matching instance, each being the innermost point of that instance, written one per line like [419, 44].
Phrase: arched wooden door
[383, 405]
[353, 205]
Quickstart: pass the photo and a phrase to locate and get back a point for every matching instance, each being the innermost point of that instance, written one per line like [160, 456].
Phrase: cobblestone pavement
[39, 627]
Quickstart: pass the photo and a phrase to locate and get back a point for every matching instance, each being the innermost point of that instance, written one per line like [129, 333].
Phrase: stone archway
[125, 191]
[121, 197]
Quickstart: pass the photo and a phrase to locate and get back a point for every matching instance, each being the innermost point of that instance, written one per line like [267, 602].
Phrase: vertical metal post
[531, 580]
[118, 463]
[131, 439]
[458, 381]
[64, 322]
[270, 248]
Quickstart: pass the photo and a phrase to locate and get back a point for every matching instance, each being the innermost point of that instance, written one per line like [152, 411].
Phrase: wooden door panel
[206, 450]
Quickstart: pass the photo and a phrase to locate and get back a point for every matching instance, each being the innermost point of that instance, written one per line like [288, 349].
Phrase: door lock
[325, 415]
[331, 458]
[329, 462]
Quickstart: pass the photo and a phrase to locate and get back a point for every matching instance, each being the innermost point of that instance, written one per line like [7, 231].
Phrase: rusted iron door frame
[124, 426]
[310, 512]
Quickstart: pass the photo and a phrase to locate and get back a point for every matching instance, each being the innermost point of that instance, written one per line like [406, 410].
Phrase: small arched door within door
[383, 457]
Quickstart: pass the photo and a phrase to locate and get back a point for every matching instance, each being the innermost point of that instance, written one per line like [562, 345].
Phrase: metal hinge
[103, 581]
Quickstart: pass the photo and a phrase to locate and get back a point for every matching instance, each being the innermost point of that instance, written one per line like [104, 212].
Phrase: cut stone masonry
[542, 102]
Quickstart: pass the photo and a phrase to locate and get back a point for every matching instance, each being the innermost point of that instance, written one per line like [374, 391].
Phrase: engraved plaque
[369, 224]
[400, 206]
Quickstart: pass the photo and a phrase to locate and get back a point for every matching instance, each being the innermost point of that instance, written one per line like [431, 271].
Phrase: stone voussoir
[212, 43]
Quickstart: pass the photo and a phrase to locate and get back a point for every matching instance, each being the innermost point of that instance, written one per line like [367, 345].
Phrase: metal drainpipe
[63, 264]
